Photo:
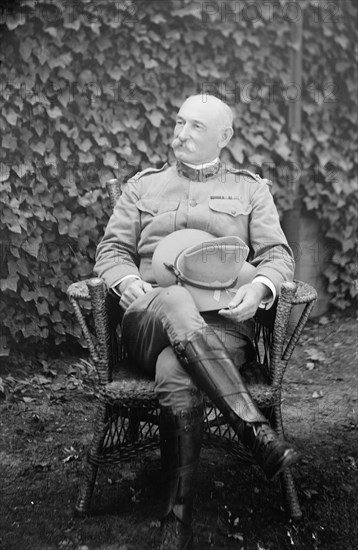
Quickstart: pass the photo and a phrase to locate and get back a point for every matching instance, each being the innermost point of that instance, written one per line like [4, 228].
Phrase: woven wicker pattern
[78, 290]
[130, 388]
[128, 414]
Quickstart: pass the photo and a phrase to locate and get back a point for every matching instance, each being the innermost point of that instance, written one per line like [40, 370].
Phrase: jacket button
[155, 210]
[233, 211]
[192, 203]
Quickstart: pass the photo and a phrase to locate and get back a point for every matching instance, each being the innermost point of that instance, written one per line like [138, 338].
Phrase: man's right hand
[131, 289]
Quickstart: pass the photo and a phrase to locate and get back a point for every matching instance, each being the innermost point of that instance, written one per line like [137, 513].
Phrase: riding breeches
[164, 317]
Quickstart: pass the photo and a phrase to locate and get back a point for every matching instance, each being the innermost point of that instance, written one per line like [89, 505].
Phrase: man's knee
[169, 371]
[175, 296]
[173, 386]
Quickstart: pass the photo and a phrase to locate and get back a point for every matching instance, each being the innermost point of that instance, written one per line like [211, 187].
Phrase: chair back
[114, 191]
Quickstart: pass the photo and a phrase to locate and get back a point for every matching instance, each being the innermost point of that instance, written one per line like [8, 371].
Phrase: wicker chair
[128, 412]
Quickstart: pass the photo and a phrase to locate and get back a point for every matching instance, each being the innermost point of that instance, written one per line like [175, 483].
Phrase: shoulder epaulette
[147, 171]
[245, 172]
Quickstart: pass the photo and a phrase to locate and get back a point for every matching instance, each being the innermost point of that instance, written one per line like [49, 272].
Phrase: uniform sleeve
[270, 251]
[269, 301]
[116, 255]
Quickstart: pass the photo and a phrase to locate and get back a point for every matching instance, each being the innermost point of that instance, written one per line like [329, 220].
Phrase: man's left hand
[246, 301]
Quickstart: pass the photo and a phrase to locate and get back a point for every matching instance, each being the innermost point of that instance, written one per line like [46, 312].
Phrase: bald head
[203, 128]
[213, 105]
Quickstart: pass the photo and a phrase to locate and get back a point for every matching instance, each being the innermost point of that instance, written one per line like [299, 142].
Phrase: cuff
[267, 302]
[119, 282]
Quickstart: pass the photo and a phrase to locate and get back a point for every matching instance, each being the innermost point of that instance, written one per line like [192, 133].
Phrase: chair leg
[134, 424]
[292, 504]
[82, 506]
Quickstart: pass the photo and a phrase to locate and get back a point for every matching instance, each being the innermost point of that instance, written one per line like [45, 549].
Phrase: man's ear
[225, 137]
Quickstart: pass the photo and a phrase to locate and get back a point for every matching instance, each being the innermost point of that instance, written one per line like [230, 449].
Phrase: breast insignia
[256, 177]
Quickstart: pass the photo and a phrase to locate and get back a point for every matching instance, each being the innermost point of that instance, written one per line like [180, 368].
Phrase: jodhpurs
[164, 317]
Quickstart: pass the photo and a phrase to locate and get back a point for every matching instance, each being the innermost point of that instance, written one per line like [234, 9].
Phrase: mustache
[188, 144]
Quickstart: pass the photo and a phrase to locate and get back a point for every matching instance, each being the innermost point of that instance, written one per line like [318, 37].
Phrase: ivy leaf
[13, 21]
[55, 112]
[110, 160]
[9, 142]
[43, 71]
[56, 317]
[116, 73]
[324, 157]
[281, 147]
[149, 63]
[157, 18]
[42, 308]
[64, 98]
[102, 141]
[155, 118]
[28, 295]
[4, 172]
[86, 158]
[116, 127]
[142, 146]
[32, 246]
[237, 148]
[61, 61]
[62, 227]
[11, 117]
[342, 40]
[26, 49]
[15, 227]
[75, 226]
[20, 170]
[39, 148]
[10, 283]
[64, 150]
[85, 145]
[39, 126]
[52, 31]
[61, 213]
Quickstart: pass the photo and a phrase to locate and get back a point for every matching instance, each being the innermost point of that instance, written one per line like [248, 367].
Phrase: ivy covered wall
[90, 90]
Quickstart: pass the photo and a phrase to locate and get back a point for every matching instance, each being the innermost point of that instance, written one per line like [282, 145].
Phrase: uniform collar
[199, 173]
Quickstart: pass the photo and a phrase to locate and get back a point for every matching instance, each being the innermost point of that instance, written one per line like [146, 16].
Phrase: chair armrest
[99, 347]
[305, 294]
[291, 295]
[78, 291]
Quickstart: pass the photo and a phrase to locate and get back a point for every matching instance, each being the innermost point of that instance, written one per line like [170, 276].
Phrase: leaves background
[90, 90]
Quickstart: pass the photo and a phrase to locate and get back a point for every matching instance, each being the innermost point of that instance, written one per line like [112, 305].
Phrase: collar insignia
[198, 174]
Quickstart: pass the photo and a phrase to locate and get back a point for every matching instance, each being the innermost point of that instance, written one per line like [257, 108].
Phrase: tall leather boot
[180, 439]
[209, 365]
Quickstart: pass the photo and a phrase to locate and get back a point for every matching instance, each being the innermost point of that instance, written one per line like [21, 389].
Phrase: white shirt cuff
[119, 282]
[267, 302]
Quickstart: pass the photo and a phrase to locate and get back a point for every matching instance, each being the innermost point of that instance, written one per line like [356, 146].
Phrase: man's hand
[131, 290]
[246, 301]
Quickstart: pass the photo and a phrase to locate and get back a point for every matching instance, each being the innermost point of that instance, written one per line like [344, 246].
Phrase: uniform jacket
[228, 202]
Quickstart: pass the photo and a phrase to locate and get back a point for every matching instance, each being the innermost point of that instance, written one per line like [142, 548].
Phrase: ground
[46, 420]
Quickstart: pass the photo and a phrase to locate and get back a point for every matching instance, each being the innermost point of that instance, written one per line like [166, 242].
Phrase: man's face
[197, 132]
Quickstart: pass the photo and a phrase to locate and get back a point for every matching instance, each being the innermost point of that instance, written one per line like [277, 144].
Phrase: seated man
[188, 352]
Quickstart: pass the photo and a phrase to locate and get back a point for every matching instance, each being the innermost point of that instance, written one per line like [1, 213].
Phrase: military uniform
[167, 336]
[154, 203]
[221, 201]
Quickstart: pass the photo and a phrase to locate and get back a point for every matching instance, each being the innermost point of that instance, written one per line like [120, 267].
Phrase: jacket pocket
[229, 217]
[231, 207]
[157, 217]
[154, 207]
